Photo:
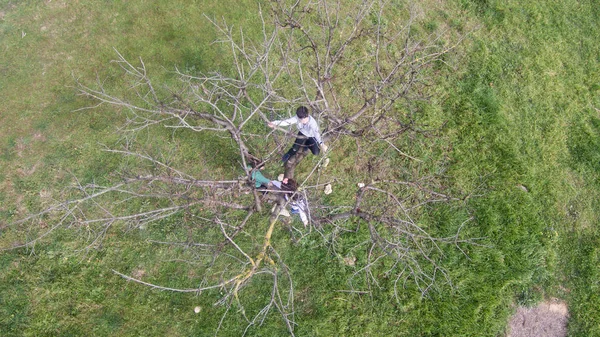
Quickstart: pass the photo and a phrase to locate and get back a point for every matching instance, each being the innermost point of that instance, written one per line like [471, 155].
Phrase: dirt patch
[138, 274]
[27, 171]
[549, 319]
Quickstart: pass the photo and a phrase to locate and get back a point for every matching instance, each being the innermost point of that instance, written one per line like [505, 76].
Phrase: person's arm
[259, 179]
[285, 122]
[314, 130]
[303, 217]
[299, 207]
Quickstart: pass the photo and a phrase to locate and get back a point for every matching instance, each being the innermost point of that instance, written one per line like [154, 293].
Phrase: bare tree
[360, 67]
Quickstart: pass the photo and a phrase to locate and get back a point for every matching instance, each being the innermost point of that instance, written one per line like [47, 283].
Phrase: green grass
[520, 109]
[528, 97]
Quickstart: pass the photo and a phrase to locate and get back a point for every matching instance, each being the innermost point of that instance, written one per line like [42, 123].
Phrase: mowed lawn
[521, 113]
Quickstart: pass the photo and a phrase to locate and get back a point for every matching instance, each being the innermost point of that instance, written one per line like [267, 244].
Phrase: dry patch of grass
[548, 319]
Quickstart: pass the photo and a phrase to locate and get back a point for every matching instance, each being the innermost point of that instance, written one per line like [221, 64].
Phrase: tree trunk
[290, 165]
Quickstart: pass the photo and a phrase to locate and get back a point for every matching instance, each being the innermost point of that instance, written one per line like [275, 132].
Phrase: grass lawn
[520, 105]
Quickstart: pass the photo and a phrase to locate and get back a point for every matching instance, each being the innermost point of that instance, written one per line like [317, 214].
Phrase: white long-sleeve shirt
[310, 129]
[300, 207]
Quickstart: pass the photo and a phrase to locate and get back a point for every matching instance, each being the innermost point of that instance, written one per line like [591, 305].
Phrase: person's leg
[298, 144]
[311, 143]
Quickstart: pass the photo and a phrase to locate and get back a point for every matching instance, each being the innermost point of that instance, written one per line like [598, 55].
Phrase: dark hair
[291, 185]
[302, 112]
[290, 188]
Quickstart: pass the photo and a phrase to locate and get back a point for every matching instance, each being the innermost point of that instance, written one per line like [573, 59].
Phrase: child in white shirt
[309, 135]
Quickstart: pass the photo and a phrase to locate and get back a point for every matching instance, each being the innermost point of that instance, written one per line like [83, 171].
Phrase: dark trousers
[302, 142]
